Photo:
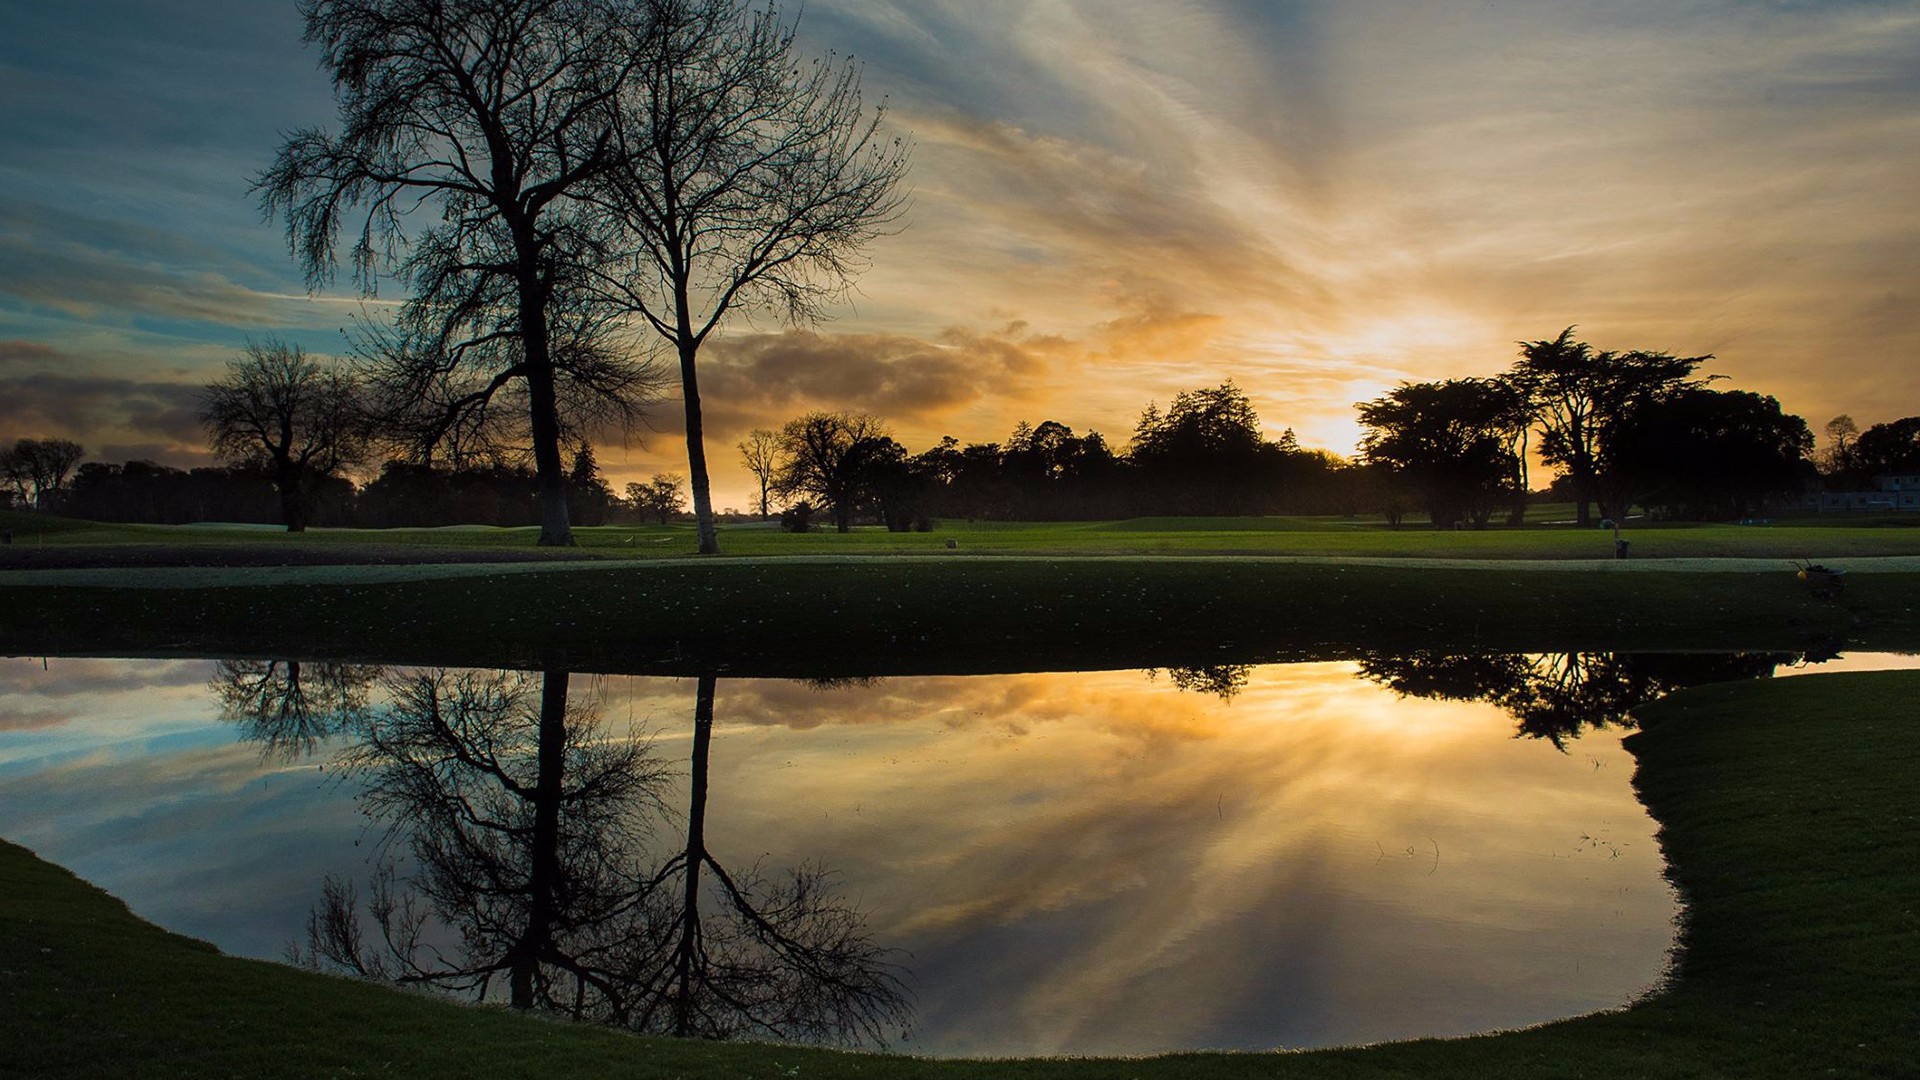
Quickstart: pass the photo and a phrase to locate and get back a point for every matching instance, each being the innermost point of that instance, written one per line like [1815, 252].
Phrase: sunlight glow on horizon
[1313, 199]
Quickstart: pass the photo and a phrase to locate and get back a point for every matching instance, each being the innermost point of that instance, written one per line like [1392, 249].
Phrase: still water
[1113, 862]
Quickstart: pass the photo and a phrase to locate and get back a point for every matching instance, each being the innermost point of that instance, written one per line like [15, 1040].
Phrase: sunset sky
[1113, 200]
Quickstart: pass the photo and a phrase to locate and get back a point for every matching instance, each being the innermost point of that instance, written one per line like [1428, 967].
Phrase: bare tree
[825, 454]
[291, 417]
[1841, 432]
[751, 180]
[760, 452]
[38, 468]
[487, 119]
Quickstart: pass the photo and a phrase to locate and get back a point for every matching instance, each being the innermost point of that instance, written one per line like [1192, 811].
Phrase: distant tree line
[1854, 458]
[1628, 431]
[1204, 455]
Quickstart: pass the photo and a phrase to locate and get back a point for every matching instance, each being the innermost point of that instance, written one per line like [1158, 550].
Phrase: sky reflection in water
[1069, 863]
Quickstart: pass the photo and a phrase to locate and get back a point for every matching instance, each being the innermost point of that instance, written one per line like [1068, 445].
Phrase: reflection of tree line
[1553, 696]
[520, 863]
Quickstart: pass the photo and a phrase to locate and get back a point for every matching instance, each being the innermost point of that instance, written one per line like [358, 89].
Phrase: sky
[1111, 201]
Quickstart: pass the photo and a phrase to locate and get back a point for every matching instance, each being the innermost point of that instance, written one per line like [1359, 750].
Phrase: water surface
[1088, 863]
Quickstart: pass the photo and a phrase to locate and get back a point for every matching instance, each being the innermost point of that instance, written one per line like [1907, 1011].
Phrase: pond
[1110, 862]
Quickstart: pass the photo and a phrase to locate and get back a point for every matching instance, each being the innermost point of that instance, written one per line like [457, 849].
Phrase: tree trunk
[550, 475]
[696, 856]
[544, 858]
[697, 451]
[543, 413]
[293, 508]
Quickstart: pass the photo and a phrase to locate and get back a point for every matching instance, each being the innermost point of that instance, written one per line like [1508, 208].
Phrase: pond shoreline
[916, 615]
[1798, 957]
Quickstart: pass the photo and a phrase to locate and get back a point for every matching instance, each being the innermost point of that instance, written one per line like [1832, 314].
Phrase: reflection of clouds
[66, 677]
[1129, 852]
[41, 700]
[15, 717]
[1073, 862]
[205, 840]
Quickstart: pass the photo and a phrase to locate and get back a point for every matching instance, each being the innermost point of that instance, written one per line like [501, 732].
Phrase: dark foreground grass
[1787, 816]
[899, 616]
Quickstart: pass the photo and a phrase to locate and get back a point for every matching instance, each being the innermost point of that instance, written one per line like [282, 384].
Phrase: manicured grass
[894, 616]
[1786, 811]
[29, 526]
[1817, 538]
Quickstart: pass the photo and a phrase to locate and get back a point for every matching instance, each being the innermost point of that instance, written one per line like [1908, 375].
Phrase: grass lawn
[1817, 538]
[1037, 604]
[1787, 816]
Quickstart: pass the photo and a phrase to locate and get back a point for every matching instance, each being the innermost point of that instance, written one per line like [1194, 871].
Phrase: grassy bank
[897, 616]
[1786, 811]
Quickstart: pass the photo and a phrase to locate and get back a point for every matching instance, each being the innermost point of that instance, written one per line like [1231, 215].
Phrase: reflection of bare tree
[525, 831]
[521, 829]
[1224, 681]
[1556, 696]
[288, 706]
[781, 958]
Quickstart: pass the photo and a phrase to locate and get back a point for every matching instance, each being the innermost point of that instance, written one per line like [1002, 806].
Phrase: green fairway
[1816, 538]
[1785, 807]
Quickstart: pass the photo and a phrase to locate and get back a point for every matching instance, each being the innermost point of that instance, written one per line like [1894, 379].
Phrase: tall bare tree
[760, 453]
[470, 129]
[289, 416]
[752, 180]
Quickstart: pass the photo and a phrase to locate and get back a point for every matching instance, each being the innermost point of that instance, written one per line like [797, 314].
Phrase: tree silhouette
[493, 119]
[828, 455]
[752, 180]
[1702, 453]
[521, 830]
[38, 468]
[1558, 696]
[290, 417]
[1224, 681]
[1451, 442]
[1580, 395]
[1841, 432]
[770, 957]
[289, 706]
[760, 453]
[660, 498]
[1892, 447]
